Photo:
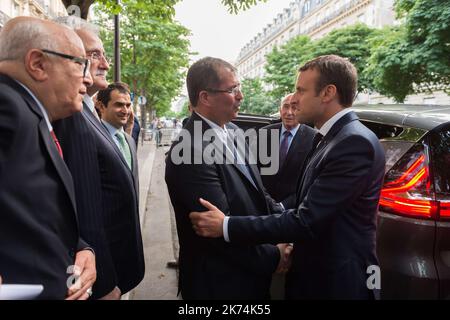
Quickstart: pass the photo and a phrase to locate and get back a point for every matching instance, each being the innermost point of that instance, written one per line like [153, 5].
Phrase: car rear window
[393, 149]
[440, 153]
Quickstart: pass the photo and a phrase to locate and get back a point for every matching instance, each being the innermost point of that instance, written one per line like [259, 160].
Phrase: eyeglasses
[234, 91]
[96, 55]
[82, 61]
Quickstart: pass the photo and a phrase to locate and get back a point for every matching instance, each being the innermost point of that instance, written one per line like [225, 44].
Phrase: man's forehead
[90, 40]
[118, 96]
[307, 75]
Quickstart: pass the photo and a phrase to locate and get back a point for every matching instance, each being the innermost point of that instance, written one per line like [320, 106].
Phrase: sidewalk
[160, 282]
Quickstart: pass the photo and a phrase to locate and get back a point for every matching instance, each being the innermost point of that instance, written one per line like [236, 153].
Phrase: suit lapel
[50, 146]
[313, 161]
[87, 113]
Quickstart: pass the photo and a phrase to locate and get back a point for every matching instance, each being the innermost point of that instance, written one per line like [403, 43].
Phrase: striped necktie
[124, 147]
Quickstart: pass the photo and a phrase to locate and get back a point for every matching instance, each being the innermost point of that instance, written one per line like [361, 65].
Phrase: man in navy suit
[333, 225]
[295, 143]
[43, 77]
[213, 268]
[107, 196]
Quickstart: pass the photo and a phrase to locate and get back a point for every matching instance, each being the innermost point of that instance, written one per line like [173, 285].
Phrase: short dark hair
[204, 74]
[104, 96]
[337, 71]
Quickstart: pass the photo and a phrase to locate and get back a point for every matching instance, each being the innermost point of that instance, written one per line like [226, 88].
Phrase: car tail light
[444, 209]
[408, 189]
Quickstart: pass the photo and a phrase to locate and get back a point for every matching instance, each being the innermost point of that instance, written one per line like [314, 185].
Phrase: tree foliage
[116, 7]
[352, 42]
[256, 99]
[415, 57]
[154, 51]
[234, 6]
[282, 65]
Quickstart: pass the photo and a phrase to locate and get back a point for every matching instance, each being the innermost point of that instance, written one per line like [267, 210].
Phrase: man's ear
[99, 105]
[329, 93]
[203, 98]
[37, 64]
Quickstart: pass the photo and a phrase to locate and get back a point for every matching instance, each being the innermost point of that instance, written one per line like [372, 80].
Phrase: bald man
[43, 77]
[294, 145]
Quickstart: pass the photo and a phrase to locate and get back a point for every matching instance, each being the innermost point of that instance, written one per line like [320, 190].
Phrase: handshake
[285, 257]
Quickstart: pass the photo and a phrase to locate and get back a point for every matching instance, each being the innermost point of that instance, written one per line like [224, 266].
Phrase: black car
[413, 238]
[413, 235]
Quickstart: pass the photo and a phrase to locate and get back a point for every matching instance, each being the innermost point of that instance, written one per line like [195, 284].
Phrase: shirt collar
[111, 129]
[89, 102]
[39, 104]
[293, 130]
[222, 132]
[329, 124]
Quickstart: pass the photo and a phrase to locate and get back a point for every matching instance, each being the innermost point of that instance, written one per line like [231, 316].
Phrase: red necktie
[58, 146]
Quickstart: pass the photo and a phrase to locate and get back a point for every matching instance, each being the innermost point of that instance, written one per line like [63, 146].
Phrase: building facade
[314, 18]
[317, 18]
[46, 9]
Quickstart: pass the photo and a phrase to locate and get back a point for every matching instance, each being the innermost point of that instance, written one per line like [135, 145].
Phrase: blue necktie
[284, 146]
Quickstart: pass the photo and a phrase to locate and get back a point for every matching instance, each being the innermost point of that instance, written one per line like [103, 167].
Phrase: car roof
[424, 117]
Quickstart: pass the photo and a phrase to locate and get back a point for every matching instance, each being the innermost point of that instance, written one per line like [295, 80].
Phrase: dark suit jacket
[212, 268]
[134, 162]
[334, 225]
[135, 132]
[107, 201]
[284, 182]
[38, 223]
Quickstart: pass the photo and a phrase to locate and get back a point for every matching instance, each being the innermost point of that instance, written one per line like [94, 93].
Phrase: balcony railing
[334, 14]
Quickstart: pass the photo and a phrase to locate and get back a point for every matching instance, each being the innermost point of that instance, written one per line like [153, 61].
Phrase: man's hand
[85, 263]
[285, 257]
[113, 295]
[130, 122]
[208, 223]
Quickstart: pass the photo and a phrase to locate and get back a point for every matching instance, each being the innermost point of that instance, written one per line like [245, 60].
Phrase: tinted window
[382, 130]
[440, 152]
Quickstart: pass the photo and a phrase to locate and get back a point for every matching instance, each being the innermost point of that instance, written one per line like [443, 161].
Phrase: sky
[217, 33]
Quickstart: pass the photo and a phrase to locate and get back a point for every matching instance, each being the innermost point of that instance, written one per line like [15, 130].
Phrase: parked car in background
[413, 239]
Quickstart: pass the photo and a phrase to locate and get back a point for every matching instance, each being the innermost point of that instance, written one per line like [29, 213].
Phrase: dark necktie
[284, 146]
[58, 146]
[316, 140]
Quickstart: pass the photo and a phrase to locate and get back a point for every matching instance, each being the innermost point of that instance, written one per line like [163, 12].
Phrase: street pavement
[158, 228]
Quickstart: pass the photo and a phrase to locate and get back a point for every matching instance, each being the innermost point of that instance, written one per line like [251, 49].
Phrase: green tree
[414, 57]
[234, 6]
[154, 51]
[256, 99]
[283, 63]
[352, 42]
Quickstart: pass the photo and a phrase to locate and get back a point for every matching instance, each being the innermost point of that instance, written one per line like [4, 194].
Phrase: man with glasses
[107, 193]
[43, 77]
[211, 268]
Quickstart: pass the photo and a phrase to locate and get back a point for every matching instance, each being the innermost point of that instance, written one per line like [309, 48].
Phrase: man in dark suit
[212, 268]
[40, 82]
[115, 106]
[334, 224]
[295, 143]
[107, 194]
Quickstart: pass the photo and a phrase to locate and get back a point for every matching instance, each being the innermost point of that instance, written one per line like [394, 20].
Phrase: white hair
[285, 97]
[76, 23]
[20, 37]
